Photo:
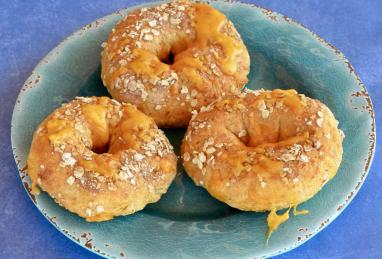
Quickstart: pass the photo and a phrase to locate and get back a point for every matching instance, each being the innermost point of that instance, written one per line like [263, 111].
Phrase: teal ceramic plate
[187, 222]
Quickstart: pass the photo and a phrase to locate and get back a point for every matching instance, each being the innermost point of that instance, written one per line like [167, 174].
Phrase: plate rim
[269, 13]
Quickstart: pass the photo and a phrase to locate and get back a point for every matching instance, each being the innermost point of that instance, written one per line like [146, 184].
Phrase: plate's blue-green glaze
[187, 222]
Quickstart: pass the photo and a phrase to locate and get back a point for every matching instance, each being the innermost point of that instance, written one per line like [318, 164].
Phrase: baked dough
[174, 58]
[99, 158]
[263, 150]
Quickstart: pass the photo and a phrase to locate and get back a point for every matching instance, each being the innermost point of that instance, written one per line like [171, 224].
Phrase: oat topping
[131, 168]
[304, 158]
[287, 157]
[296, 152]
[319, 122]
[78, 172]
[279, 104]
[125, 174]
[88, 212]
[242, 133]
[219, 145]
[263, 109]
[184, 90]
[145, 28]
[68, 160]
[70, 180]
[194, 102]
[210, 150]
[186, 156]
[152, 23]
[138, 157]
[308, 148]
[99, 209]
[202, 157]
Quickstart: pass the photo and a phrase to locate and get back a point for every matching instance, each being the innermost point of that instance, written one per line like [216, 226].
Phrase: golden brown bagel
[263, 150]
[99, 158]
[174, 58]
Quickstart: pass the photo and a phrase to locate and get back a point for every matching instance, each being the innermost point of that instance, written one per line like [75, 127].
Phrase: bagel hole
[169, 58]
[101, 149]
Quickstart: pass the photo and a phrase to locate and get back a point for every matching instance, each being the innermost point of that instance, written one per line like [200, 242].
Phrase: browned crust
[263, 150]
[170, 96]
[136, 168]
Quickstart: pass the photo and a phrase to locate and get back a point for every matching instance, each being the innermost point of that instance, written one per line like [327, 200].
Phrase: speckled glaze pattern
[187, 222]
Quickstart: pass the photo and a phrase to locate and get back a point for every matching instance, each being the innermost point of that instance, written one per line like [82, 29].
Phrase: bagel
[173, 58]
[263, 150]
[99, 158]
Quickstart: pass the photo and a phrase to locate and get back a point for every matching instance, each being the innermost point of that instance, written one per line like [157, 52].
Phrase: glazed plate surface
[187, 222]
